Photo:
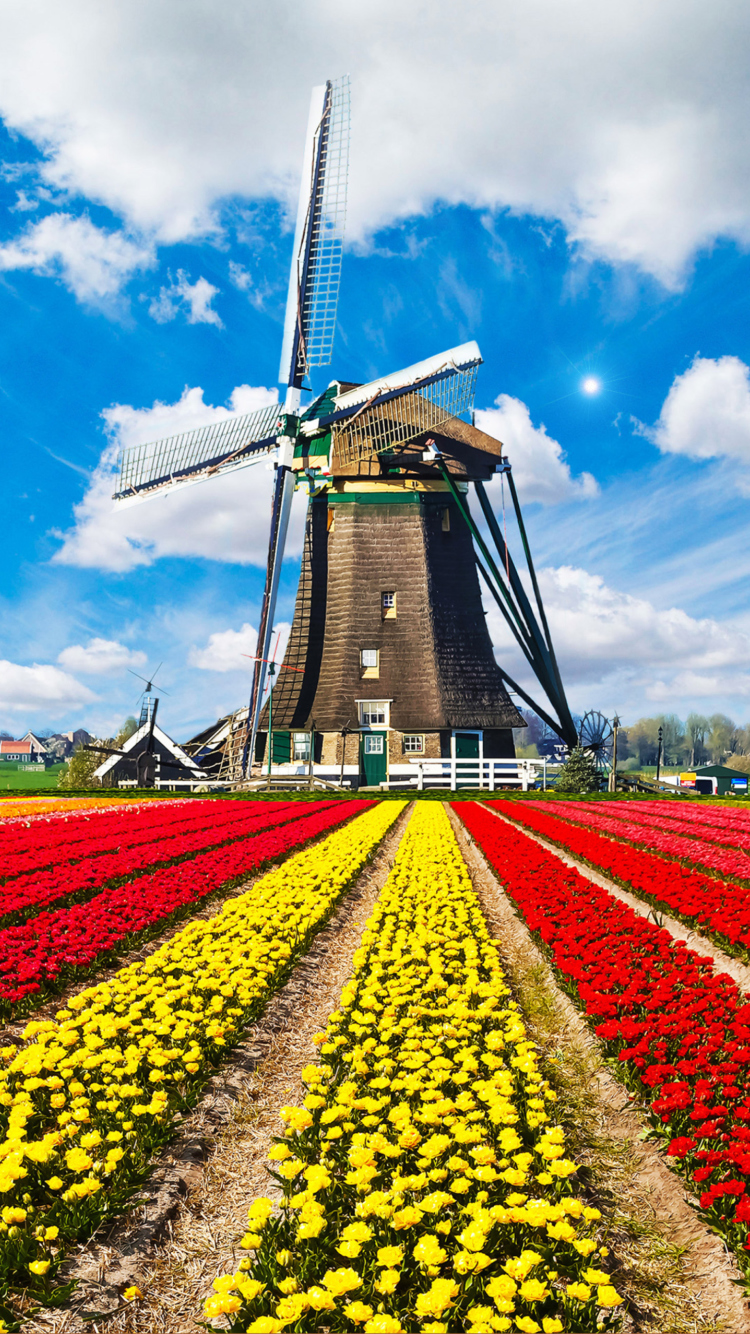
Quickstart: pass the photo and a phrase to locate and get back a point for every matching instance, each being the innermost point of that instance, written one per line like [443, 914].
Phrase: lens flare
[591, 385]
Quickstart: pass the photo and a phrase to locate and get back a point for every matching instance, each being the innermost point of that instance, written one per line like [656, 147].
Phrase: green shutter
[281, 747]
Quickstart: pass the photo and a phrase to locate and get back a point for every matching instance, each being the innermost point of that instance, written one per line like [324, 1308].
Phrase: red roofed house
[28, 751]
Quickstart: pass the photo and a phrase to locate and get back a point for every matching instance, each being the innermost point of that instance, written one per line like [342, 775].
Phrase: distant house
[168, 762]
[30, 750]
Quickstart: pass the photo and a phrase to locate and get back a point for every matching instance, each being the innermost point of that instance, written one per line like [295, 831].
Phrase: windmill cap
[456, 358]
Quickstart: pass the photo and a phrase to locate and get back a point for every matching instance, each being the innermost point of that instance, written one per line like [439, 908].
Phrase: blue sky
[596, 228]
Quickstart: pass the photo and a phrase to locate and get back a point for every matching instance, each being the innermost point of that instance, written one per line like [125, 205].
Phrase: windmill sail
[309, 325]
[233, 442]
[319, 236]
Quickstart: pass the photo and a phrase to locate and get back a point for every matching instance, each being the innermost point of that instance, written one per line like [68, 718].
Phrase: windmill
[388, 467]
[147, 702]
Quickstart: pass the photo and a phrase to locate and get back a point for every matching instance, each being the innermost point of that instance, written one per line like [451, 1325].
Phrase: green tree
[673, 738]
[719, 740]
[643, 740]
[128, 728]
[578, 773]
[741, 740]
[697, 729]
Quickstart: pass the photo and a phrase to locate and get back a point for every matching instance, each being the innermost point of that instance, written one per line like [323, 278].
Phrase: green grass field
[18, 776]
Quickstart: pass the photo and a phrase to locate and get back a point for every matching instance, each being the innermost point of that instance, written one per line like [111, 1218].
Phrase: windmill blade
[319, 236]
[399, 407]
[308, 328]
[231, 443]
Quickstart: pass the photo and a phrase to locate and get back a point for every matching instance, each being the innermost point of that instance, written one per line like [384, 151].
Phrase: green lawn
[19, 777]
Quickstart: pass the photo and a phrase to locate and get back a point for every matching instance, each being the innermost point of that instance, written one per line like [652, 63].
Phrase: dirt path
[678, 1276]
[236, 1123]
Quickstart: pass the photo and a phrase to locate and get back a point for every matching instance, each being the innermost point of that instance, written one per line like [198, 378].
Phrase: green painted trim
[375, 498]
[441, 498]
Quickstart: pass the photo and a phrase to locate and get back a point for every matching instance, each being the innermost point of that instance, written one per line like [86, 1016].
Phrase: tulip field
[424, 1179]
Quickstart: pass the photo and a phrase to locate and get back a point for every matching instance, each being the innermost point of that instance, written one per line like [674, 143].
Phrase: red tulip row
[631, 813]
[56, 945]
[27, 895]
[718, 907]
[707, 815]
[695, 850]
[680, 1032]
[84, 835]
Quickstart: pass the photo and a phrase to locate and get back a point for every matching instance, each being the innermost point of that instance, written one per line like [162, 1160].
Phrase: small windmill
[410, 429]
[147, 701]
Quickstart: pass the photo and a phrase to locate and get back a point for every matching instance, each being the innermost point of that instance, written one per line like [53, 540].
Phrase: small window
[446, 520]
[301, 742]
[374, 713]
[374, 745]
[414, 744]
[388, 606]
[369, 657]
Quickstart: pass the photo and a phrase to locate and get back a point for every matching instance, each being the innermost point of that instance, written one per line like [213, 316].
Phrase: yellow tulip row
[424, 1184]
[88, 1097]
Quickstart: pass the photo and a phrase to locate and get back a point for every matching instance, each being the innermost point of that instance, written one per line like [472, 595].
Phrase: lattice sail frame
[206, 450]
[326, 232]
[379, 427]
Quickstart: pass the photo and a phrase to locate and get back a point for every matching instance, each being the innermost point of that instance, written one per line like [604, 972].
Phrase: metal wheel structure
[595, 735]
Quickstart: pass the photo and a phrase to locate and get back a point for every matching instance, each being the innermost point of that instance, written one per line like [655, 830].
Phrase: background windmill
[147, 700]
[406, 437]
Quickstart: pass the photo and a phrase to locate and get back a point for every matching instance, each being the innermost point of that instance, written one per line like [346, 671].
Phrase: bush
[578, 773]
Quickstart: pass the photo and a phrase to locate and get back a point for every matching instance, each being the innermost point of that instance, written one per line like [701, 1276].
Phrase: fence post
[453, 773]
[420, 777]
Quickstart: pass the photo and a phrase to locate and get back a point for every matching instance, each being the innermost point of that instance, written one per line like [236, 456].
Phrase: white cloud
[706, 413]
[23, 203]
[240, 276]
[224, 649]
[197, 297]
[93, 263]
[626, 124]
[41, 687]
[617, 651]
[225, 518]
[539, 468]
[100, 657]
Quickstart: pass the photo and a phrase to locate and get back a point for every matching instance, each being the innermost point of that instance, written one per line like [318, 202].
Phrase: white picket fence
[482, 774]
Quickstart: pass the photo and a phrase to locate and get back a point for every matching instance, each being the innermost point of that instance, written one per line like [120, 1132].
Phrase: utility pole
[311, 768]
[344, 735]
[271, 673]
[613, 773]
[658, 756]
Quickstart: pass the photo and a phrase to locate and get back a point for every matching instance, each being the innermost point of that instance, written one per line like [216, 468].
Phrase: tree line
[700, 739]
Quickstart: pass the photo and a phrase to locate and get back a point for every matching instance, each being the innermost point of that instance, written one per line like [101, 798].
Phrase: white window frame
[363, 705]
[300, 747]
[369, 657]
[374, 745]
[414, 736]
